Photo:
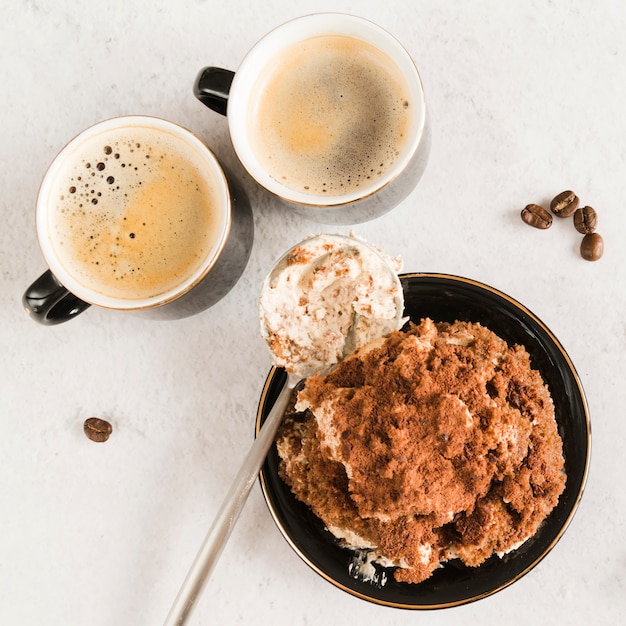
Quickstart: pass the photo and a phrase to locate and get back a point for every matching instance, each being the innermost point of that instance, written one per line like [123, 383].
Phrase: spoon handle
[228, 513]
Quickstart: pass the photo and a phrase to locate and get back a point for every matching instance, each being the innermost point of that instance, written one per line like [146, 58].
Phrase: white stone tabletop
[526, 99]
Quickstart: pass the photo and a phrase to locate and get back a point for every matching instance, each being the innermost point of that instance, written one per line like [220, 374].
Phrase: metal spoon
[232, 506]
[236, 497]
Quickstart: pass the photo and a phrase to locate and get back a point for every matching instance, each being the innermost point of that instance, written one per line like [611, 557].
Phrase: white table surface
[526, 98]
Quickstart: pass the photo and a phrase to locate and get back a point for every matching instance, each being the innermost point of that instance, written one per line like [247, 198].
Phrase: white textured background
[527, 99]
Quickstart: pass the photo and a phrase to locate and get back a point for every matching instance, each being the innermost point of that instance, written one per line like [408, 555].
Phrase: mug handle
[49, 302]
[212, 87]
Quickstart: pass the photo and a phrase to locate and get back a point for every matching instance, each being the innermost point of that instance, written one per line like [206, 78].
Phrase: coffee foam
[333, 115]
[135, 213]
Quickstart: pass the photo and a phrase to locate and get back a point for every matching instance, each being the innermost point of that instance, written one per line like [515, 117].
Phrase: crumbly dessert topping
[434, 443]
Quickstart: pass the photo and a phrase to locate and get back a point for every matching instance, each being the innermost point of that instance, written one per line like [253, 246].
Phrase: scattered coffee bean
[592, 247]
[565, 204]
[97, 429]
[537, 216]
[585, 220]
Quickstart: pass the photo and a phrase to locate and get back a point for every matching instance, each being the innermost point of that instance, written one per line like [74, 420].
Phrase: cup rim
[42, 208]
[291, 32]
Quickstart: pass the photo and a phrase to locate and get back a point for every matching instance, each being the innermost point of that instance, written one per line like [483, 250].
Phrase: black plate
[450, 298]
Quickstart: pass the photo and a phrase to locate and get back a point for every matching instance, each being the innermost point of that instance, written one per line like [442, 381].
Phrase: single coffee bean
[564, 204]
[592, 247]
[585, 220]
[537, 216]
[97, 429]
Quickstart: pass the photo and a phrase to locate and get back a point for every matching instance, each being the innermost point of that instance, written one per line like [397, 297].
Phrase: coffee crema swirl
[135, 213]
[333, 115]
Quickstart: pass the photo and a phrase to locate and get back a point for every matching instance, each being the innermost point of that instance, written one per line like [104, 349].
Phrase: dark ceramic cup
[326, 95]
[137, 214]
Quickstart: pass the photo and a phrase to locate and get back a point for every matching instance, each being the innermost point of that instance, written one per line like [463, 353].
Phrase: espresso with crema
[136, 212]
[333, 114]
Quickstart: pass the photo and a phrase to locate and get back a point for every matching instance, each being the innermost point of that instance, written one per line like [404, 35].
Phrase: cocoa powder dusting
[439, 442]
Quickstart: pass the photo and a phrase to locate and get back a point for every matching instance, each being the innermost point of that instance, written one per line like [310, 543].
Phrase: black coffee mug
[238, 94]
[62, 292]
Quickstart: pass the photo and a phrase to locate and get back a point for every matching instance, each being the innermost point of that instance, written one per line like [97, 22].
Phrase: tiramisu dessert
[434, 443]
[326, 297]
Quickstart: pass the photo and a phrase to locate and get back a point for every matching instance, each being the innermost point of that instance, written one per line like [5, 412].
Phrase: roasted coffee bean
[564, 204]
[537, 216]
[592, 247]
[97, 429]
[585, 220]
